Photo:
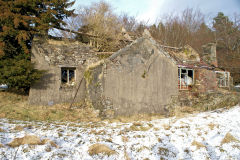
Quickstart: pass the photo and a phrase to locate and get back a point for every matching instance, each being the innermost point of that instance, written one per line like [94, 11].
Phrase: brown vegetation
[198, 144]
[179, 30]
[165, 152]
[137, 117]
[18, 128]
[100, 149]
[229, 138]
[16, 107]
[204, 102]
[31, 140]
[53, 144]
[28, 139]
[2, 130]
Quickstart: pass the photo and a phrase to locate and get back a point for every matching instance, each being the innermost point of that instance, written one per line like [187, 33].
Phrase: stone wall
[140, 78]
[51, 55]
[205, 80]
[209, 54]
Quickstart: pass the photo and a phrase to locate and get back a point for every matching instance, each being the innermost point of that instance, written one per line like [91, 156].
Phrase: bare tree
[98, 19]
[187, 28]
[128, 22]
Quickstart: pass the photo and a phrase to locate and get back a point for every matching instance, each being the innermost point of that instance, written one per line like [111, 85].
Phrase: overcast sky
[150, 10]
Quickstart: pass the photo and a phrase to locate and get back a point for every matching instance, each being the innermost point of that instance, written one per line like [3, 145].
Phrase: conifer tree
[20, 20]
[227, 33]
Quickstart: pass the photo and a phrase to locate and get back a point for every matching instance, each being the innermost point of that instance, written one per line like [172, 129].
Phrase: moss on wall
[94, 76]
[103, 56]
[88, 77]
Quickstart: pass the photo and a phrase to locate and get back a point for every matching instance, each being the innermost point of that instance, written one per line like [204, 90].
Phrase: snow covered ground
[209, 135]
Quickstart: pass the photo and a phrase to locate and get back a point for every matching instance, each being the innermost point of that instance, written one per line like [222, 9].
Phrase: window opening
[68, 76]
[185, 78]
[223, 78]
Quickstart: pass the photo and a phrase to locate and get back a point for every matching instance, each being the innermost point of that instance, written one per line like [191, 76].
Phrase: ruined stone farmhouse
[140, 78]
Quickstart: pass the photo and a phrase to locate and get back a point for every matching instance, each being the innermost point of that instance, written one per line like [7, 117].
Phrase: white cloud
[152, 11]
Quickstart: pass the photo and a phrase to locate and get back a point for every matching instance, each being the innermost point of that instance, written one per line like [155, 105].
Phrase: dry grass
[2, 130]
[228, 139]
[143, 148]
[236, 146]
[137, 117]
[13, 106]
[166, 126]
[212, 126]
[198, 144]
[100, 149]
[18, 128]
[53, 144]
[137, 126]
[181, 112]
[125, 139]
[187, 109]
[126, 157]
[1, 145]
[206, 102]
[28, 139]
[199, 134]
[165, 152]
[31, 140]
[100, 132]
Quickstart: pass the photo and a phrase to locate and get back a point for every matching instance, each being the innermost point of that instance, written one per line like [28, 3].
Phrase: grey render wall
[140, 78]
[50, 56]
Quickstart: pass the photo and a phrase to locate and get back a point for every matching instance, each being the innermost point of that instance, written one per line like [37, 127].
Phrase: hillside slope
[209, 135]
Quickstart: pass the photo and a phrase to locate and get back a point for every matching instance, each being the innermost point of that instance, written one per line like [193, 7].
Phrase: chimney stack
[210, 54]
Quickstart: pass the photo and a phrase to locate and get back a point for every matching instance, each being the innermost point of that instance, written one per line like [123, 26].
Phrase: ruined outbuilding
[64, 64]
[143, 77]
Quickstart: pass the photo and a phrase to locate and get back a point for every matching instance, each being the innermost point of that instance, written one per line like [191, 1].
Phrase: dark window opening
[68, 76]
[64, 75]
[184, 70]
[190, 73]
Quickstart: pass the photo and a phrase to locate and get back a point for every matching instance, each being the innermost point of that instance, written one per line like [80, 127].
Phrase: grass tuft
[2, 130]
[198, 144]
[18, 128]
[229, 139]
[28, 139]
[165, 152]
[96, 149]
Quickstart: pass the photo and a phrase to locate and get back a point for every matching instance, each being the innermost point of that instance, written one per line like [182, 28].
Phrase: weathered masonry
[64, 64]
[194, 75]
[140, 78]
